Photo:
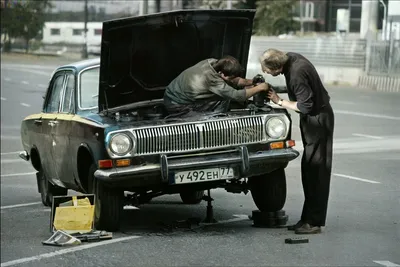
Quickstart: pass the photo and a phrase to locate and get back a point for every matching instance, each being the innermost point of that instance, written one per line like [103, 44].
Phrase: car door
[61, 131]
[49, 122]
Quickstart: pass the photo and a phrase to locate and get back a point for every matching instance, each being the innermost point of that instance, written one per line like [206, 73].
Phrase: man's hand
[273, 96]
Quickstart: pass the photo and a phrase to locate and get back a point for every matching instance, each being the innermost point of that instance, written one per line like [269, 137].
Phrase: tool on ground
[73, 214]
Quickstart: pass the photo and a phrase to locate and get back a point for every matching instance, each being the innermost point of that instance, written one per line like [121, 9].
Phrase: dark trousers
[316, 164]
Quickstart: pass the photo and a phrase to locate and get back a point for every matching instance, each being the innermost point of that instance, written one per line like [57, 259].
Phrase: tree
[274, 17]
[24, 19]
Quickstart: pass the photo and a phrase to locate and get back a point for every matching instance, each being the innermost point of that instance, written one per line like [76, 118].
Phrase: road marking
[239, 217]
[368, 136]
[25, 105]
[371, 115]
[356, 178]
[7, 79]
[10, 137]
[42, 85]
[3, 98]
[387, 263]
[4, 161]
[10, 153]
[18, 174]
[20, 205]
[343, 102]
[67, 250]
[25, 82]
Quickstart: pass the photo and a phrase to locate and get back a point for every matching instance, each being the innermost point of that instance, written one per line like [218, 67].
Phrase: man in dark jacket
[308, 97]
[209, 86]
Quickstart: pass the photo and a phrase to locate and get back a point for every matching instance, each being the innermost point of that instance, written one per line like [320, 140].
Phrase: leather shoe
[306, 229]
[295, 226]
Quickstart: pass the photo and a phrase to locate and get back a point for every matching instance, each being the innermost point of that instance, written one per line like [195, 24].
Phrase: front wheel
[269, 190]
[47, 190]
[108, 203]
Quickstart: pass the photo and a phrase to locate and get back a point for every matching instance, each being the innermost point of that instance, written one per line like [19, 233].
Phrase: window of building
[55, 31]
[77, 31]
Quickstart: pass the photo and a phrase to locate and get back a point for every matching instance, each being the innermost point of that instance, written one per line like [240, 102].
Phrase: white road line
[371, 115]
[4, 161]
[356, 178]
[3, 98]
[239, 217]
[20, 205]
[24, 82]
[10, 153]
[42, 85]
[368, 136]
[387, 263]
[343, 102]
[18, 174]
[25, 105]
[67, 250]
[10, 137]
[7, 79]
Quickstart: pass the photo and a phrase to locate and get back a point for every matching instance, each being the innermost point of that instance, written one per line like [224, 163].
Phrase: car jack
[210, 212]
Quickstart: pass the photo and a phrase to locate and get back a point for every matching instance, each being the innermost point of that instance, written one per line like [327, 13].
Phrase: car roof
[80, 65]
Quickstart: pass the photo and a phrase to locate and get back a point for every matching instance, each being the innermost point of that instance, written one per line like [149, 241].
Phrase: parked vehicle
[104, 130]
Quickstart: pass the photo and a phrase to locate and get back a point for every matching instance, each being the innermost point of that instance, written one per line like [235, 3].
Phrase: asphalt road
[363, 225]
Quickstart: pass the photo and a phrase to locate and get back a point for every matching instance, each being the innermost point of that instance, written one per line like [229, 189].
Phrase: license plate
[204, 175]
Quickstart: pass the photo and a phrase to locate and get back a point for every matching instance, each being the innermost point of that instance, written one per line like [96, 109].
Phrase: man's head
[228, 67]
[272, 61]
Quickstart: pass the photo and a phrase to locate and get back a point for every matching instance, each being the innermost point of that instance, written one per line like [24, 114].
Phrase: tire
[48, 190]
[192, 197]
[108, 203]
[269, 190]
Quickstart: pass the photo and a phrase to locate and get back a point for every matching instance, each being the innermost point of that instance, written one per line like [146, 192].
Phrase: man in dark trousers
[308, 97]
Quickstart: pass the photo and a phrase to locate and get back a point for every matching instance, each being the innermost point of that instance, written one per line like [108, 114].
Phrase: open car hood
[141, 55]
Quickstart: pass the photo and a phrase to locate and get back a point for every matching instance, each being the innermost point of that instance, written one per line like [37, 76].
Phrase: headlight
[275, 127]
[120, 144]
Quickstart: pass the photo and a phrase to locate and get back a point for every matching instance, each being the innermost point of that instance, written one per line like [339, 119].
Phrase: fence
[321, 51]
[384, 58]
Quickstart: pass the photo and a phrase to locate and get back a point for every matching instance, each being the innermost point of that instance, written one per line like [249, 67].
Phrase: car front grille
[194, 136]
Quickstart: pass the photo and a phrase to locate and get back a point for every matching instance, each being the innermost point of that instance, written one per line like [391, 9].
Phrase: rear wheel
[108, 203]
[192, 197]
[48, 190]
[269, 190]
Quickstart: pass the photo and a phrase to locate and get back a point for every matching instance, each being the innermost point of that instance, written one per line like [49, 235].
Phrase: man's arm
[241, 82]
[227, 92]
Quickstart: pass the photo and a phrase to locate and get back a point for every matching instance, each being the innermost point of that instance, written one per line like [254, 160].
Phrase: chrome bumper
[242, 159]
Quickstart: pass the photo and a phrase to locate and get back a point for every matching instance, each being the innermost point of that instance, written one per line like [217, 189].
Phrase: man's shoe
[295, 226]
[307, 229]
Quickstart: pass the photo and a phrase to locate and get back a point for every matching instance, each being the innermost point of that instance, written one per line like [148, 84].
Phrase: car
[104, 130]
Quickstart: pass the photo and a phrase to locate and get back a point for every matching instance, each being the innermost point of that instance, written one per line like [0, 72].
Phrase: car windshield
[89, 88]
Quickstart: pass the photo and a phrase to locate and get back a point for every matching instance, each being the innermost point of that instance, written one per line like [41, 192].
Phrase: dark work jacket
[304, 84]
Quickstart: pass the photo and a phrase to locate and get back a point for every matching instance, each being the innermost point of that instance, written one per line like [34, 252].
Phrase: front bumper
[241, 159]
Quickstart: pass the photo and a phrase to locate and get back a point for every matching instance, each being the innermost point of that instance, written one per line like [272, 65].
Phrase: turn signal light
[122, 162]
[290, 143]
[105, 164]
[276, 145]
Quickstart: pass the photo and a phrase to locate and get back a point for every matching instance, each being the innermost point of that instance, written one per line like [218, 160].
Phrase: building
[71, 33]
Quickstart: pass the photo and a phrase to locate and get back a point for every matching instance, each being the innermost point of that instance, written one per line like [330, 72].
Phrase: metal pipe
[229, 4]
[384, 23]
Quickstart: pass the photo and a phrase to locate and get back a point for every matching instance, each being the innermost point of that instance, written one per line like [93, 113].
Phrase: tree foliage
[274, 17]
[24, 19]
